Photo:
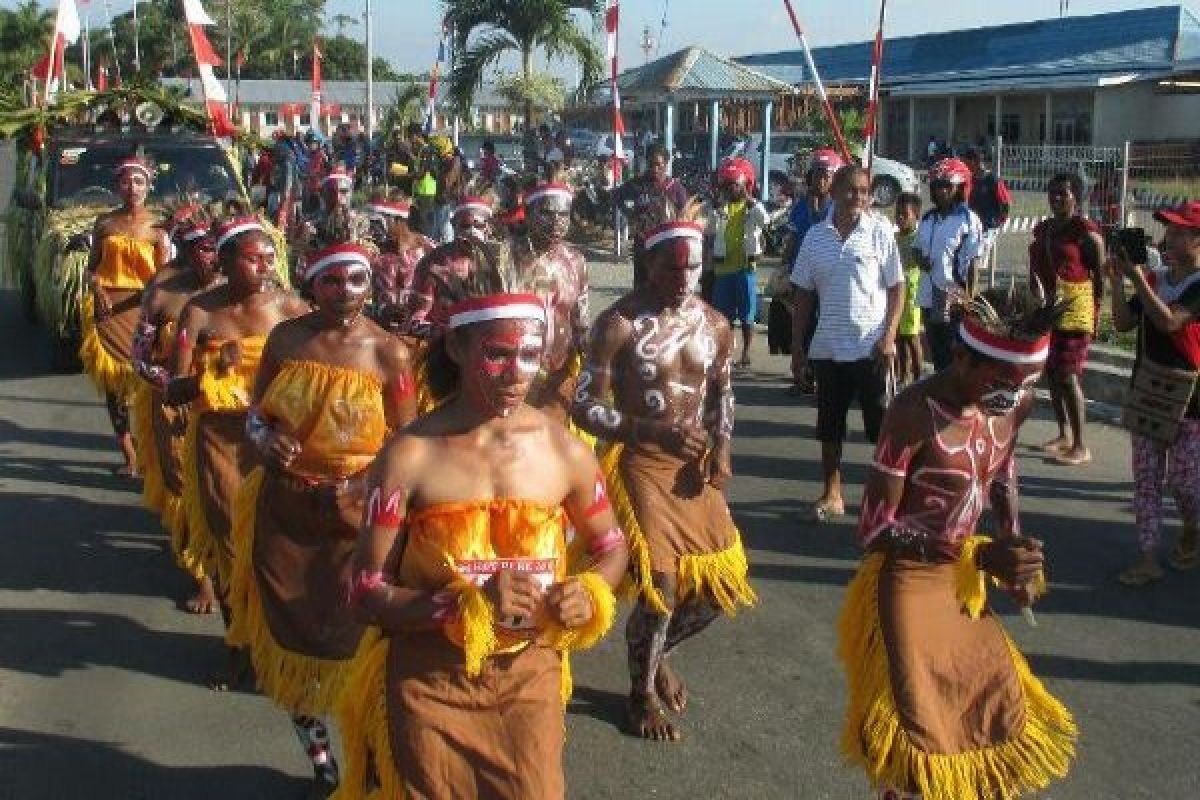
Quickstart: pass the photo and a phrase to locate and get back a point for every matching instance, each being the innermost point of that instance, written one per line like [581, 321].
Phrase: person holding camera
[1165, 308]
[1065, 261]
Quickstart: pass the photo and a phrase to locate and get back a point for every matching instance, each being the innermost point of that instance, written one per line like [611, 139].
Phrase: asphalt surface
[102, 678]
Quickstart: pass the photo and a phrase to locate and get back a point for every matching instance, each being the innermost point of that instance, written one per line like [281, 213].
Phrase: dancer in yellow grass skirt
[214, 364]
[663, 355]
[941, 704]
[330, 386]
[127, 249]
[159, 428]
[462, 565]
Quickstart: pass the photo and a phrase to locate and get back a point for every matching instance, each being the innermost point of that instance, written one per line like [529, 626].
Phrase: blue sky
[406, 30]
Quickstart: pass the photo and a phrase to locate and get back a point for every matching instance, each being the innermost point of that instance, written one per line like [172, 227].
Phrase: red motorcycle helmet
[950, 170]
[825, 158]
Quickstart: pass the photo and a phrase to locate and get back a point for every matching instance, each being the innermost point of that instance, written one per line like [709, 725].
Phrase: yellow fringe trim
[478, 625]
[722, 576]
[222, 392]
[361, 711]
[108, 375]
[604, 610]
[141, 425]
[174, 519]
[301, 684]
[205, 548]
[874, 739]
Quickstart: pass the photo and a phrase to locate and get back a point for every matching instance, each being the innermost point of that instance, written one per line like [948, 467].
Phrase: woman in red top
[1065, 261]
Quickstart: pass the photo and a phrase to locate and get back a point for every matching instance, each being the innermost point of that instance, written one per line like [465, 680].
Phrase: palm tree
[487, 30]
[24, 38]
[340, 21]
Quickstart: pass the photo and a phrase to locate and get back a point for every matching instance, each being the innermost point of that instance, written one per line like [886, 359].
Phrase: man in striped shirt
[850, 264]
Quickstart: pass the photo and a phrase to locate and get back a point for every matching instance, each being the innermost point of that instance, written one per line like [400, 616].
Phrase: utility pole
[370, 78]
[137, 53]
[228, 54]
[648, 44]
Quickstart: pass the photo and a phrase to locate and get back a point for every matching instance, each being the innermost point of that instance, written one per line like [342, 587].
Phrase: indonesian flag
[612, 20]
[50, 69]
[102, 78]
[207, 60]
[315, 110]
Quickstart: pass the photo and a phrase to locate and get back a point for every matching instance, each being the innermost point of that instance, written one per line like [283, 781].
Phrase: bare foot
[648, 720]
[204, 601]
[237, 673]
[1056, 445]
[826, 508]
[1145, 570]
[126, 471]
[1074, 457]
[672, 691]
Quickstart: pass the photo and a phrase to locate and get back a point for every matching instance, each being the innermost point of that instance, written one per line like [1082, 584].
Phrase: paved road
[100, 675]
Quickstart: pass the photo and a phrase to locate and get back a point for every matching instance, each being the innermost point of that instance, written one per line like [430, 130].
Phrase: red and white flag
[612, 23]
[50, 69]
[314, 112]
[207, 60]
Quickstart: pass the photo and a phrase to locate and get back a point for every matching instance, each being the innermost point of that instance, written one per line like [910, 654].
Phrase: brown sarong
[223, 460]
[303, 549]
[107, 346]
[169, 425]
[495, 737]
[955, 686]
[116, 331]
[679, 513]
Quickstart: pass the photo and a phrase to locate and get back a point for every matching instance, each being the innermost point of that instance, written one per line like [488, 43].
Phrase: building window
[305, 119]
[271, 118]
[1010, 127]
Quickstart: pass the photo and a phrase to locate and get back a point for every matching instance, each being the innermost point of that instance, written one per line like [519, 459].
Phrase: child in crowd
[908, 335]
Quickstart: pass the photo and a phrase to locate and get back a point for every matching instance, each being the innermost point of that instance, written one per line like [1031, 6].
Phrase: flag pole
[370, 78]
[873, 90]
[816, 77]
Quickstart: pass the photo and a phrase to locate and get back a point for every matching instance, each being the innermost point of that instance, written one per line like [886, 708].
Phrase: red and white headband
[1003, 348]
[236, 227]
[497, 306]
[339, 177]
[476, 204]
[550, 191]
[321, 260]
[135, 164]
[386, 208]
[190, 233]
[674, 230]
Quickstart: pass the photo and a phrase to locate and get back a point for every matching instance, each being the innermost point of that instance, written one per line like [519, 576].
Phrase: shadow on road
[40, 766]
[1129, 672]
[605, 706]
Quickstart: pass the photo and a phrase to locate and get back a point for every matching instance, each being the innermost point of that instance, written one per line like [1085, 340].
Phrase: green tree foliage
[24, 38]
[275, 36]
[485, 31]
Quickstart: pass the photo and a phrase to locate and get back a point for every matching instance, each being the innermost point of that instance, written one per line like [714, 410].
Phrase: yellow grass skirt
[875, 740]
[108, 374]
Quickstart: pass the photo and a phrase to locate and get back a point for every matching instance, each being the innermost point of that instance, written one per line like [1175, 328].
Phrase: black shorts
[838, 383]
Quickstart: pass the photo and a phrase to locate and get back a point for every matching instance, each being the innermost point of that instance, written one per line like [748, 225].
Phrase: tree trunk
[529, 144]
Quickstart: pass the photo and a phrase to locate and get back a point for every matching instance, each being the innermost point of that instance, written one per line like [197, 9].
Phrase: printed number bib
[543, 570]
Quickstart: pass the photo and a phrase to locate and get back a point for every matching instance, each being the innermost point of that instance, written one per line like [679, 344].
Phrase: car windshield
[85, 174]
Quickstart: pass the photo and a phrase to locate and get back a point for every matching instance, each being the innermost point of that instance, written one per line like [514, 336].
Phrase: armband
[365, 582]
[604, 544]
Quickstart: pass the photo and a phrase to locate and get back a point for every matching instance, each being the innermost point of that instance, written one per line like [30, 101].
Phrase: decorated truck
[65, 178]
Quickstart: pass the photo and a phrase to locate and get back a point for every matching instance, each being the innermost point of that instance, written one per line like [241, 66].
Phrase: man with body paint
[557, 273]
[941, 704]
[336, 221]
[393, 271]
[159, 428]
[663, 355]
[462, 563]
[454, 260]
[213, 367]
[330, 387]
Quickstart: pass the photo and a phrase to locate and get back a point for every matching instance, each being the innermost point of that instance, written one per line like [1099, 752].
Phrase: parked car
[789, 155]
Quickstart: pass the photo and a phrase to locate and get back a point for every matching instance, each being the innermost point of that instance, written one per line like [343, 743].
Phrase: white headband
[194, 234]
[550, 191]
[387, 210]
[673, 232]
[237, 230]
[1032, 353]
[351, 257]
[520, 307]
[482, 208]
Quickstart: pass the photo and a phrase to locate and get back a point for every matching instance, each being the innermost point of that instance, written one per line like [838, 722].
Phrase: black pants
[838, 384]
[941, 341]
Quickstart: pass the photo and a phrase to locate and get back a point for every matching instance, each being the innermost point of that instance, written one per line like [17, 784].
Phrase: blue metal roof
[1141, 39]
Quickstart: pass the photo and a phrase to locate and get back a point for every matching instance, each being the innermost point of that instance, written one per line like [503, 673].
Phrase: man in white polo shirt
[850, 264]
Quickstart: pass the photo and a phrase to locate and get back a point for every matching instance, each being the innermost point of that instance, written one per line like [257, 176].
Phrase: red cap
[950, 170]
[736, 169]
[1185, 216]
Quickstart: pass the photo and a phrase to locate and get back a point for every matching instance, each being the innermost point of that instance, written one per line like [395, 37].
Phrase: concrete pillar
[912, 130]
[669, 134]
[714, 133]
[765, 189]
[951, 109]
[1048, 129]
[1096, 137]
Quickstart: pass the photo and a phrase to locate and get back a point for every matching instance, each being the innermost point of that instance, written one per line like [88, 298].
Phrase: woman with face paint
[462, 562]
[159, 428]
[331, 385]
[127, 249]
[213, 365]
[664, 357]
[941, 704]
[557, 273]
[400, 250]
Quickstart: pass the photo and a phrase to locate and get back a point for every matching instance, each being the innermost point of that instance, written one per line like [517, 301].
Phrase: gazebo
[696, 76]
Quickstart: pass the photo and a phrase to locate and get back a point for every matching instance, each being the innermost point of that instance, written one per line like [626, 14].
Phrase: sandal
[1140, 574]
[820, 513]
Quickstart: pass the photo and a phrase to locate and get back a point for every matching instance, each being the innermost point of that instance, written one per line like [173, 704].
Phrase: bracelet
[257, 428]
[365, 582]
